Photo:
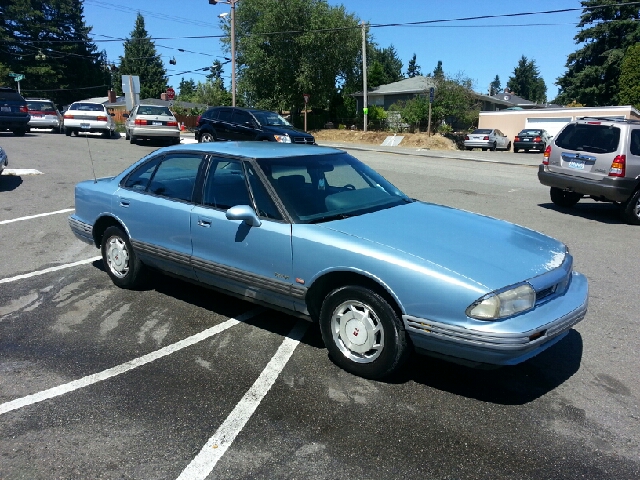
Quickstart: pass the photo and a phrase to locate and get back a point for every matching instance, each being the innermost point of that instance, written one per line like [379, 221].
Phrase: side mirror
[244, 213]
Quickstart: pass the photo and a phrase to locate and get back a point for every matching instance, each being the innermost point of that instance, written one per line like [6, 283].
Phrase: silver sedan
[487, 139]
[151, 122]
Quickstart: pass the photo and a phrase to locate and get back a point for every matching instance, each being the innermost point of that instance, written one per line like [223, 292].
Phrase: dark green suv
[14, 113]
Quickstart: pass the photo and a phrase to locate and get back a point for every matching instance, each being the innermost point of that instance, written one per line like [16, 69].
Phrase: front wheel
[362, 332]
[631, 209]
[564, 198]
[120, 261]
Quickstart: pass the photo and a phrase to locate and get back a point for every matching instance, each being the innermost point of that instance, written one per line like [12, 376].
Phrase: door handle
[124, 202]
[204, 222]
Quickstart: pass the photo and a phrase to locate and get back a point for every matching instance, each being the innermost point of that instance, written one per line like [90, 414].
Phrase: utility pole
[365, 100]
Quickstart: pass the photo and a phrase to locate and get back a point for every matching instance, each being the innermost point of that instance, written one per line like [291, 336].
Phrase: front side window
[242, 118]
[225, 114]
[225, 186]
[139, 178]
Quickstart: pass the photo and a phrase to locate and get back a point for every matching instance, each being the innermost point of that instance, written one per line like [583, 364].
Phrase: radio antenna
[95, 180]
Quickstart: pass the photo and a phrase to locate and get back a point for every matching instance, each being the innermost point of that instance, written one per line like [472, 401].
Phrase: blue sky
[481, 49]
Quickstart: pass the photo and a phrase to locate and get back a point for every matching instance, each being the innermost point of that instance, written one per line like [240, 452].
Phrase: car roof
[256, 150]
[243, 108]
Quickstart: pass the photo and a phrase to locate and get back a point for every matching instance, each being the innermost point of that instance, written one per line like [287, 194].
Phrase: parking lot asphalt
[178, 381]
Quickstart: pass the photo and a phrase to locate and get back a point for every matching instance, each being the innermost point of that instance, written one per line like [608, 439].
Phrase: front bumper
[498, 348]
[615, 189]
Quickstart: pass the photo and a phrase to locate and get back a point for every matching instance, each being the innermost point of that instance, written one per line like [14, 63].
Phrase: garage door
[550, 124]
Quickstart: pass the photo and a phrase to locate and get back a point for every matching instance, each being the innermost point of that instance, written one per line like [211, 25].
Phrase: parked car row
[493, 139]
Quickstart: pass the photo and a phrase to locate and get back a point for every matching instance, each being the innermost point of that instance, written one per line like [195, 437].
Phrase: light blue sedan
[318, 234]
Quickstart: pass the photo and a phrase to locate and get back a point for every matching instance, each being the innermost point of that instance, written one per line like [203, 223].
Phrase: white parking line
[201, 466]
[125, 367]
[48, 270]
[21, 171]
[66, 210]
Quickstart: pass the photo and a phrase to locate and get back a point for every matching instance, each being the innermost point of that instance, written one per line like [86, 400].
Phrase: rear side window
[225, 115]
[634, 147]
[591, 138]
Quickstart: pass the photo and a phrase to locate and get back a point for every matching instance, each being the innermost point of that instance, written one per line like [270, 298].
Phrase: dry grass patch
[420, 140]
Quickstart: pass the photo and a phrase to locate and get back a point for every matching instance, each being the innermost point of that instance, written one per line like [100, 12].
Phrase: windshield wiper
[329, 218]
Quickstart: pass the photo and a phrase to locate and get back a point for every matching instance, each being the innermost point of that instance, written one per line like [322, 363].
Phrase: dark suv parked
[234, 123]
[597, 158]
[14, 113]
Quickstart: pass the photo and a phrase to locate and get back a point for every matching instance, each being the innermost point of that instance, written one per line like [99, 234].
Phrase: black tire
[631, 209]
[508, 147]
[494, 146]
[381, 330]
[206, 137]
[484, 149]
[468, 148]
[126, 135]
[106, 134]
[132, 140]
[564, 198]
[120, 261]
[67, 132]
[526, 150]
[515, 150]
[19, 132]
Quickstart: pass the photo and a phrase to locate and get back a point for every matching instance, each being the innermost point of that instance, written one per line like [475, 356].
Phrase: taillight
[172, 124]
[537, 139]
[140, 121]
[547, 154]
[200, 116]
[101, 118]
[517, 139]
[68, 116]
[618, 166]
[24, 109]
[486, 138]
[466, 137]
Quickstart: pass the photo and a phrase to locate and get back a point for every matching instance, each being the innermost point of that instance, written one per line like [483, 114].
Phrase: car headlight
[283, 138]
[504, 304]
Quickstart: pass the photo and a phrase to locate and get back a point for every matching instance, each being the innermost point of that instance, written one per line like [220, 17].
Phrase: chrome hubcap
[206, 138]
[636, 208]
[117, 257]
[357, 332]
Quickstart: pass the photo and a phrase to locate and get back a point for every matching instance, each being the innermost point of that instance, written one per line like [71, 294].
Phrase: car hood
[482, 249]
[283, 129]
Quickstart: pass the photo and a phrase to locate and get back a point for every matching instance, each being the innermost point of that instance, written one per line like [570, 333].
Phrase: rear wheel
[121, 262]
[515, 150]
[67, 132]
[206, 137]
[362, 332]
[19, 132]
[468, 148]
[126, 135]
[494, 146]
[564, 198]
[631, 209]
[132, 139]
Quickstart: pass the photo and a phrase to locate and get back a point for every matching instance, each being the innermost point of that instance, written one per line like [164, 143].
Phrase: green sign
[365, 110]
[17, 76]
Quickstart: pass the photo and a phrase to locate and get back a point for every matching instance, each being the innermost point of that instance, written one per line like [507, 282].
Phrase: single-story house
[510, 122]
[386, 95]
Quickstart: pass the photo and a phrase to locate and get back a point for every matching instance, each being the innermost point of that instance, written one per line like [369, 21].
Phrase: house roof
[417, 84]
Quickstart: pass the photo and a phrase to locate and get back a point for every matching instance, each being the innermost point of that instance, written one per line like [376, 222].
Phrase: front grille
[303, 139]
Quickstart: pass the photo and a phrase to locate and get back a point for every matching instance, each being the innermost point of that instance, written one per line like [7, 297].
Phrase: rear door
[586, 149]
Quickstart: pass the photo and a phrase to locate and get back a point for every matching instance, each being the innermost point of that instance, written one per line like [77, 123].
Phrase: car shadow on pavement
[9, 182]
[602, 212]
[509, 385]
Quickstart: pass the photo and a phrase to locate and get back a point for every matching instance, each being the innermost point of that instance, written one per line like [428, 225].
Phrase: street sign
[17, 76]
[432, 94]
[171, 93]
[306, 97]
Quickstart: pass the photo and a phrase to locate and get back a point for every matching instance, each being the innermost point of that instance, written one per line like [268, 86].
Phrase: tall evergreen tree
[630, 77]
[594, 69]
[438, 72]
[391, 64]
[215, 71]
[413, 69]
[48, 42]
[187, 88]
[140, 58]
[495, 86]
[526, 81]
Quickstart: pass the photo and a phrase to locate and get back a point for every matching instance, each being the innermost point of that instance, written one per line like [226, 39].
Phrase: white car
[151, 122]
[487, 139]
[89, 117]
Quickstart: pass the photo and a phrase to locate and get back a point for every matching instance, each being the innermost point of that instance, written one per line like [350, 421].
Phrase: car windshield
[589, 138]
[482, 131]
[530, 132]
[270, 118]
[153, 110]
[87, 107]
[41, 106]
[321, 188]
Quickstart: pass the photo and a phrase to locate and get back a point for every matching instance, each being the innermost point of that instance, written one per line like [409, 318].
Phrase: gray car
[151, 122]
[597, 158]
[4, 160]
[487, 139]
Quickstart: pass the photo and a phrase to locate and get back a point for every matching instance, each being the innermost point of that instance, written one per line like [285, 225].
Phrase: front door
[254, 261]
